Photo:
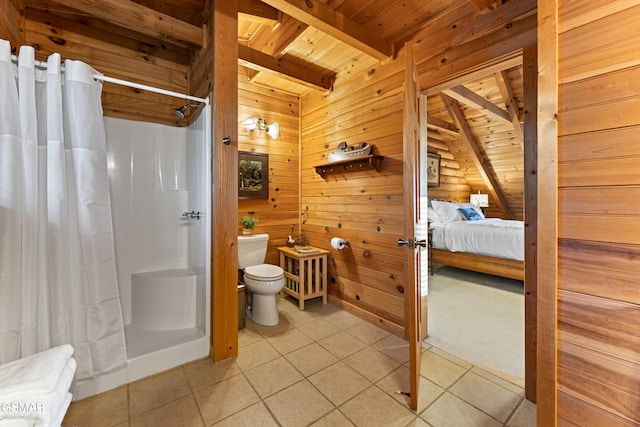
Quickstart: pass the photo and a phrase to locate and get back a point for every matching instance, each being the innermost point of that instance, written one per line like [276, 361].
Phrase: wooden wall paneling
[12, 21]
[364, 207]
[599, 305]
[279, 215]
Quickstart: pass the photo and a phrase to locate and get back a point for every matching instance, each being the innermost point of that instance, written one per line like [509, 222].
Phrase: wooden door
[415, 227]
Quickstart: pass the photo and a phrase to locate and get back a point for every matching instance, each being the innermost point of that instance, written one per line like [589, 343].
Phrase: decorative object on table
[301, 240]
[348, 152]
[290, 242]
[480, 200]
[248, 222]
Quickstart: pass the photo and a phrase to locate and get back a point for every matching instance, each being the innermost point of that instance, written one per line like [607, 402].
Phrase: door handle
[421, 243]
[409, 243]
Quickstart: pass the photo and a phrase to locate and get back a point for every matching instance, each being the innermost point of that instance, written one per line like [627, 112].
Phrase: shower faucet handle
[192, 214]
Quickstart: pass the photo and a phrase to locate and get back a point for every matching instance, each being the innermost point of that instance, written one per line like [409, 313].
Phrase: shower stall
[160, 186]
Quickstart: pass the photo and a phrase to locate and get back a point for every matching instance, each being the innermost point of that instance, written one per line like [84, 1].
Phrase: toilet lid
[263, 272]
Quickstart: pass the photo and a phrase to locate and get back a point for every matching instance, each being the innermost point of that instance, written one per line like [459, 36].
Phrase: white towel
[37, 374]
[42, 405]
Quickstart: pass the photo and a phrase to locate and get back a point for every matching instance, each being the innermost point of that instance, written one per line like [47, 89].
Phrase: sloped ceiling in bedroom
[477, 128]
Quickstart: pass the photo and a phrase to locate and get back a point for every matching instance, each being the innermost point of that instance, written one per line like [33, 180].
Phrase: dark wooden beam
[472, 99]
[477, 155]
[257, 11]
[502, 79]
[308, 75]
[442, 126]
[131, 15]
[318, 15]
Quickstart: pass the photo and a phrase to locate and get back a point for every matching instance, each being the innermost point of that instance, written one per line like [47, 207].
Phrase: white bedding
[494, 237]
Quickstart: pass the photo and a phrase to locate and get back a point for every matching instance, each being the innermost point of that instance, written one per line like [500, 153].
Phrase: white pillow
[447, 211]
[432, 216]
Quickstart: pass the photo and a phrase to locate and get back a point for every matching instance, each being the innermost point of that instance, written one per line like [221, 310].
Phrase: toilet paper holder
[338, 243]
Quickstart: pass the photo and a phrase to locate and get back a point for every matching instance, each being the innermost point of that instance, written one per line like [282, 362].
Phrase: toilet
[263, 281]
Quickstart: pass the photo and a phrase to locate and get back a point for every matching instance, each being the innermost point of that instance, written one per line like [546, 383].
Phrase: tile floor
[321, 367]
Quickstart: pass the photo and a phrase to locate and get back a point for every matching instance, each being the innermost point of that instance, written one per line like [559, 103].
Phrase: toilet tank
[252, 250]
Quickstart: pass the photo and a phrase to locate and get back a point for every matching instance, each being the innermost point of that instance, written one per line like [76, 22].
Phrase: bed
[462, 237]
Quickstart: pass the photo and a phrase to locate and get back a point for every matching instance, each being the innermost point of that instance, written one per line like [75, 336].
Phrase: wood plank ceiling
[297, 46]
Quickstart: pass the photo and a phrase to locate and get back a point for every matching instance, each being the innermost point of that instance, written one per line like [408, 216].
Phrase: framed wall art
[433, 170]
[253, 175]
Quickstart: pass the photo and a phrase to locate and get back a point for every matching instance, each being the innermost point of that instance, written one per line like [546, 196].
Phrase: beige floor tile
[288, 308]
[450, 357]
[319, 329]
[103, 410]
[486, 395]
[525, 415]
[399, 379]
[371, 363]
[498, 380]
[248, 335]
[339, 382]
[182, 412]
[342, 344]
[225, 398]
[418, 422]
[267, 331]
[157, 390]
[298, 405]
[440, 370]
[367, 333]
[289, 341]
[333, 419]
[451, 411]
[394, 347]
[206, 372]
[256, 354]
[373, 408]
[254, 416]
[310, 359]
[273, 376]
[343, 319]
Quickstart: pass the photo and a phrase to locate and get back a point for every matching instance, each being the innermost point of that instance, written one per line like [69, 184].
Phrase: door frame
[530, 76]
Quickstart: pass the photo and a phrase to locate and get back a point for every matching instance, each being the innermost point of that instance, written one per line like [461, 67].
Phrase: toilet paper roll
[337, 243]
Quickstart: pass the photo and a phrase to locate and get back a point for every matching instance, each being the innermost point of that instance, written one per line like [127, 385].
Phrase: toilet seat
[264, 272]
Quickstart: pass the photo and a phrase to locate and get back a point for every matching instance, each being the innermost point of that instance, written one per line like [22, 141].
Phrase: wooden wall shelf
[360, 163]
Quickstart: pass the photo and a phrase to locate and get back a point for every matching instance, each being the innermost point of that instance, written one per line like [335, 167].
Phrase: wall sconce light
[480, 200]
[253, 124]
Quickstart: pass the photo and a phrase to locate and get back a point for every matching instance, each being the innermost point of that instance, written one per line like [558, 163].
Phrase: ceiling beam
[442, 126]
[320, 16]
[307, 75]
[276, 41]
[502, 79]
[479, 159]
[472, 99]
[257, 11]
[131, 15]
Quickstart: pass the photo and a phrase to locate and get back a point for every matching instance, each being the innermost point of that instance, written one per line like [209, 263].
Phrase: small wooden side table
[305, 272]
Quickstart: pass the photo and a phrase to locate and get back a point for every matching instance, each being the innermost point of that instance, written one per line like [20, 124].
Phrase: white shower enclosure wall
[160, 185]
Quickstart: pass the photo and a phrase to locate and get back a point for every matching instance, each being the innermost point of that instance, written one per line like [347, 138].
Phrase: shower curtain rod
[102, 78]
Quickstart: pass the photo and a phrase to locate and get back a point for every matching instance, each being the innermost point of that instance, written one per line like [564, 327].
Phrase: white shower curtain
[57, 263]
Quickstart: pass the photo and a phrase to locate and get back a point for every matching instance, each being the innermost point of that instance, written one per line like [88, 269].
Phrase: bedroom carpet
[479, 318]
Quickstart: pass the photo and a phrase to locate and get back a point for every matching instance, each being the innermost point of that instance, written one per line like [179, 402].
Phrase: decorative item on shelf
[348, 152]
[480, 200]
[301, 240]
[258, 124]
[248, 222]
[290, 242]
